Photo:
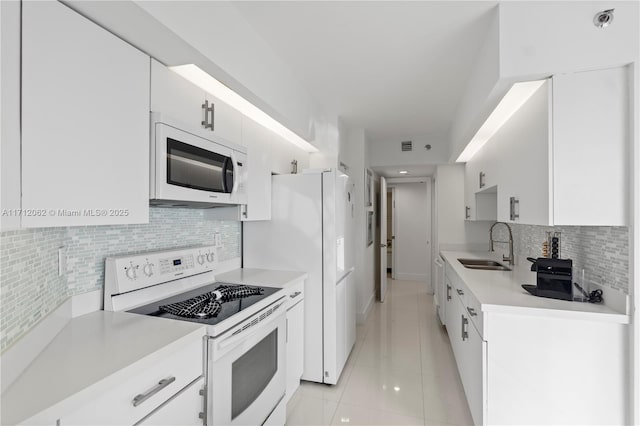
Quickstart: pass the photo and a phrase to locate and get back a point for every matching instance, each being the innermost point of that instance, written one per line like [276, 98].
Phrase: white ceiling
[398, 69]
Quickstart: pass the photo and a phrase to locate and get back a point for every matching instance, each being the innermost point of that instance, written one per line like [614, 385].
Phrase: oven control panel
[137, 271]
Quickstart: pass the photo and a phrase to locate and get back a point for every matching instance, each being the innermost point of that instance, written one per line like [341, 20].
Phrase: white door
[383, 238]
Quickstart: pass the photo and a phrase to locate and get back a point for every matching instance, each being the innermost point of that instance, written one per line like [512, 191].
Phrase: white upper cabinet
[182, 100]
[85, 122]
[561, 159]
[591, 148]
[257, 139]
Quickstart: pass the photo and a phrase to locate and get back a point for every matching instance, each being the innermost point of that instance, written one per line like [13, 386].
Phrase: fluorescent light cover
[510, 103]
[403, 172]
[201, 79]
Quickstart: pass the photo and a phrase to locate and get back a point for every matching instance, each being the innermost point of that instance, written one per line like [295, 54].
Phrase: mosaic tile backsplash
[602, 251]
[30, 287]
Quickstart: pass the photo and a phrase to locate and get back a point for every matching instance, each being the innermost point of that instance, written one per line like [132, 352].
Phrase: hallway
[401, 371]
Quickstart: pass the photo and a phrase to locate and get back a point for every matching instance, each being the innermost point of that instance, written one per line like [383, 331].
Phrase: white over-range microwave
[192, 168]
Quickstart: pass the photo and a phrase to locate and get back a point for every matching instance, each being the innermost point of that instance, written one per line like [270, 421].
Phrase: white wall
[542, 37]
[353, 153]
[479, 97]
[388, 153]
[413, 231]
[535, 39]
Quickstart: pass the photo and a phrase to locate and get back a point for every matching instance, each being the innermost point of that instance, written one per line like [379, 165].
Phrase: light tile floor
[400, 372]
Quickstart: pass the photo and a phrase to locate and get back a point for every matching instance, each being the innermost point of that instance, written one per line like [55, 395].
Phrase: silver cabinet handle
[140, 398]
[205, 109]
[296, 294]
[460, 292]
[465, 333]
[514, 213]
[467, 212]
[482, 180]
[448, 292]
[212, 110]
[208, 109]
[472, 312]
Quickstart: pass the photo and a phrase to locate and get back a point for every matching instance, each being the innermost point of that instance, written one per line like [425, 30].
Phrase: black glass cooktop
[205, 297]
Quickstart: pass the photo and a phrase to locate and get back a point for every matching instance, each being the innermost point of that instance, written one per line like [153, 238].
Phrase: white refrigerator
[311, 230]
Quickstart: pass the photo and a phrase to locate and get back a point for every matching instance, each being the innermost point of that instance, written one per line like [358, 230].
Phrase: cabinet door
[176, 97]
[295, 347]
[256, 138]
[473, 349]
[591, 147]
[85, 122]
[470, 188]
[185, 409]
[227, 121]
[452, 313]
[10, 107]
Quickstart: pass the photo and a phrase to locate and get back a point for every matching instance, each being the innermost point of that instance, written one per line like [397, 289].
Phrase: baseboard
[361, 317]
[20, 355]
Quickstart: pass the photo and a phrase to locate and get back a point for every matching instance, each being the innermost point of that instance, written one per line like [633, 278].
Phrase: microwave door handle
[225, 164]
[234, 170]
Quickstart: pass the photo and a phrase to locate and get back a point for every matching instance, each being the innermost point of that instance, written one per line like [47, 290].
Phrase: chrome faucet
[509, 258]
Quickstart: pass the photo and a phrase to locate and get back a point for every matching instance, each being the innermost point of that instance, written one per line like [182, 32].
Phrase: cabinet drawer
[472, 306]
[116, 407]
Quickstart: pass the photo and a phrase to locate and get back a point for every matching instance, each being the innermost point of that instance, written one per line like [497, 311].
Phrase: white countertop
[91, 354]
[501, 291]
[262, 277]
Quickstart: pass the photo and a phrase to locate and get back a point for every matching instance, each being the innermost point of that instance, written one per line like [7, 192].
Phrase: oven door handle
[234, 338]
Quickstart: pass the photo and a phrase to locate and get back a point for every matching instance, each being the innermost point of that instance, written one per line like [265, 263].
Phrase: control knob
[201, 259]
[130, 271]
[210, 257]
[148, 269]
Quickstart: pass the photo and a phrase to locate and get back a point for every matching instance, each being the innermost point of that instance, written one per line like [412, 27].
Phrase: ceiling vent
[407, 146]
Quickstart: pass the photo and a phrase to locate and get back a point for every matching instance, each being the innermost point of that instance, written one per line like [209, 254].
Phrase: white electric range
[245, 345]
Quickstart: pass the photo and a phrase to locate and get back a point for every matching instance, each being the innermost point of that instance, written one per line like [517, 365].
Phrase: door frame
[392, 189]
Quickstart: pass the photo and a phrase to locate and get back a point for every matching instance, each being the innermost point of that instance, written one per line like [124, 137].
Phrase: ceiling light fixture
[510, 103]
[403, 172]
[202, 79]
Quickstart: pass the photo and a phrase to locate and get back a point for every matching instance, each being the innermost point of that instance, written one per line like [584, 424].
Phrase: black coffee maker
[554, 279]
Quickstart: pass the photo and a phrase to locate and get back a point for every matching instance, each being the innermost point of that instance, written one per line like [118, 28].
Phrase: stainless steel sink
[483, 264]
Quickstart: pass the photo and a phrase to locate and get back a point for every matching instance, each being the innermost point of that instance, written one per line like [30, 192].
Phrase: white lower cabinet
[148, 389]
[470, 353]
[184, 409]
[524, 368]
[295, 338]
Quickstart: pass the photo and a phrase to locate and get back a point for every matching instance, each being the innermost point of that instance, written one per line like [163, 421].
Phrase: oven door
[190, 168]
[247, 372]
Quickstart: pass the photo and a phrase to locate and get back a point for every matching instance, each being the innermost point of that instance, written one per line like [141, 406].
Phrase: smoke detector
[603, 19]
